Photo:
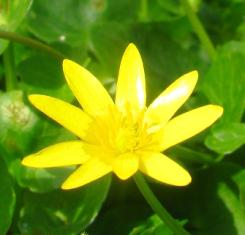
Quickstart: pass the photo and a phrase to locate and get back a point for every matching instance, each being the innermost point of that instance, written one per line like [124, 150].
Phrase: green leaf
[108, 61]
[17, 123]
[224, 84]
[74, 17]
[43, 75]
[12, 13]
[225, 81]
[119, 219]
[232, 203]
[7, 198]
[227, 138]
[42, 180]
[240, 179]
[164, 59]
[151, 226]
[228, 17]
[160, 11]
[120, 11]
[23, 133]
[211, 202]
[39, 180]
[63, 212]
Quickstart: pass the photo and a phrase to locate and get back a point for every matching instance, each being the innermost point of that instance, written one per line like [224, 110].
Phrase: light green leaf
[17, 123]
[224, 84]
[38, 180]
[152, 226]
[227, 138]
[74, 17]
[12, 13]
[42, 180]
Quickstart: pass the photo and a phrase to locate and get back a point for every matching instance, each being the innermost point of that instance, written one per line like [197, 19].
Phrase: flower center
[127, 137]
[118, 133]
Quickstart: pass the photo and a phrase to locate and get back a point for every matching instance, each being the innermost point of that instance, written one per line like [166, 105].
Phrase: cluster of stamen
[118, 133]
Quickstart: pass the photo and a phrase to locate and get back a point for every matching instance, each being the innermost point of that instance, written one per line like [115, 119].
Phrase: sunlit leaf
[224, 84]
[11, 14]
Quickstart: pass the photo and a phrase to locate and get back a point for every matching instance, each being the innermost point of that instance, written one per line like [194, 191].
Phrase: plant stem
[9, 68]
[184, 153]
[157, 206]
[199, 29]
[32, 43]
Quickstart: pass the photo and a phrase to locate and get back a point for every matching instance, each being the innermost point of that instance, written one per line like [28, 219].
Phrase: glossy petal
[170, 100]
[125, 165]
[88, 172]
[62, 154]
[188, 124]
[88, 90]
[69, 116]
[163, 169]
[131, 81]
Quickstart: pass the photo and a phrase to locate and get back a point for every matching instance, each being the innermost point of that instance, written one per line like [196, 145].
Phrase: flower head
[122, 136]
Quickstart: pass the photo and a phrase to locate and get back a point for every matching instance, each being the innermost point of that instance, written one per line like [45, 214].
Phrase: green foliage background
[95, 33]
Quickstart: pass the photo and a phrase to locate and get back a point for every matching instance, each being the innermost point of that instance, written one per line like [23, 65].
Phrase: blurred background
[174, 37]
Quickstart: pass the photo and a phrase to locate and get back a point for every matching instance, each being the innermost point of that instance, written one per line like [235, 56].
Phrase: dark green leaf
[43, 75]
[157, 49]
[63, 212]
[7, 198]
[211, 203]
[120, 219]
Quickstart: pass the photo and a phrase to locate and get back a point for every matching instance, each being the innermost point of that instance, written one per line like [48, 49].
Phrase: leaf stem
[199, 29]
[11, 82]
[157, 206]
[32, 43]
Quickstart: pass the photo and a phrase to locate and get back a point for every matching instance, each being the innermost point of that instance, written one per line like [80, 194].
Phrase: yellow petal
[163, 169]
[88, 90]
[88, 172]
[62, 154]
[125, 165]
[170, 100]
[131, 81]
[188, 124]
[69, 116]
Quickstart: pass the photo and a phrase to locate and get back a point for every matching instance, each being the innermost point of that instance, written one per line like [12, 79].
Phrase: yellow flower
[124, 136]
